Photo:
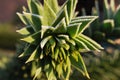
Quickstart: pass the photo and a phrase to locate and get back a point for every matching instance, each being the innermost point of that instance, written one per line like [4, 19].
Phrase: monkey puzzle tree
[54, 38]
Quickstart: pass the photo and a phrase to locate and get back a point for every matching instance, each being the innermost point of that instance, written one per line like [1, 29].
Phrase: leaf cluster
[54, 38]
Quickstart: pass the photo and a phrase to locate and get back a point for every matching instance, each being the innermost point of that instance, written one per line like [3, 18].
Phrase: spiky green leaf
[78, 63]
[60, 27]
[34, 55]
[26, 31]
[73, 29]
[28, 50]
[54, 5]
[49, 15]
[89, 45]
[85, 20]
[38, 71]
[33, 39]
[34, 20]
[92, 41]
[23, 18]
[33, 6]
[44, 41]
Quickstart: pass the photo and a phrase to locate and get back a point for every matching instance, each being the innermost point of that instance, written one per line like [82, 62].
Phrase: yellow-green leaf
[33, 39]
[49, 15]
[23, 18]
[34, 20]
[44, 41]
[38, 71]
[33, 7]
[29, 50]
[73, 29]
[34, 55]
[26, 31]
[79, 65]
[92, 41]
[54, 5]
[60, 27]
[85, 20]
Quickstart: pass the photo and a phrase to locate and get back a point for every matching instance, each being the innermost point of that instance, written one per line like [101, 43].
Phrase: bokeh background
[101, 67]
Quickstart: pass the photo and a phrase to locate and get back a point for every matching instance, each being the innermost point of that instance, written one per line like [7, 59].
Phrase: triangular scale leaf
[73, 29]
[60, 15]
[88, 44]
[45, 29]
[26, 31]
[34, 68]
[81, 46]
[49, 70]
[60, 27]
[39, 8]
[33, 39]
[38, 71]
[85, 20]
[70, 8]
[23, 18]
[34, 55]
[54, 5]
[32, 6]
[49, 15]
[79, 65]
[71, 42]
[91, 41]
[67, 71]
[35, 20]
[59, 69]
[29, 50]
[66, 16]
[44, 41]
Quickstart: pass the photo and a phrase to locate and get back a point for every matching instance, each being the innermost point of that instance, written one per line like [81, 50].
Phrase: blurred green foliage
[12, 68]
[101, 67]
[8, 36]
[107, 26]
